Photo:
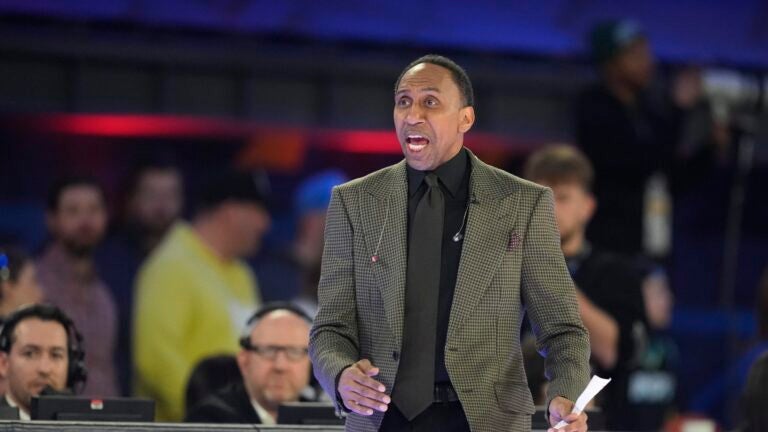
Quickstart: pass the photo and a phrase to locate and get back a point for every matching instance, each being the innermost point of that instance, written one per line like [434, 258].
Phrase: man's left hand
[560, 409]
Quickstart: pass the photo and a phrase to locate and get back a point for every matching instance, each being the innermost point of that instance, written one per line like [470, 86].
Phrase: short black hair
[458, 74]
[64, 183]
[247, 186]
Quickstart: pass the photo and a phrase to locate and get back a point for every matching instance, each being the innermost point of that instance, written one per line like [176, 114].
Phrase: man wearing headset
[39, 349]
[274, 362]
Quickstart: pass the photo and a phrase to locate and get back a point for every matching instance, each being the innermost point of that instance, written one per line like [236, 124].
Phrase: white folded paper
[593, 388]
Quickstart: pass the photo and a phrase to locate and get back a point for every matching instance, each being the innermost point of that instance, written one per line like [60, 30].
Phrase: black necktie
[414, 385]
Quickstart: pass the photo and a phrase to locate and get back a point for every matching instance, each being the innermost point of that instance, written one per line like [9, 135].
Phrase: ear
[242, 361]
[4, 365]
[466, 119]
[591, 206]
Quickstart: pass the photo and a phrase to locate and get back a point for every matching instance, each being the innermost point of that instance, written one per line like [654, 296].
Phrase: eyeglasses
[270, 352]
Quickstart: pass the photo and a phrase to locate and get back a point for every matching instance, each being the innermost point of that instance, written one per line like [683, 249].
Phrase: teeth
[416, 147]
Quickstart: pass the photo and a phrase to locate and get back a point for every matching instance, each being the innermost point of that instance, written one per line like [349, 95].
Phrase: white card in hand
[593, 388]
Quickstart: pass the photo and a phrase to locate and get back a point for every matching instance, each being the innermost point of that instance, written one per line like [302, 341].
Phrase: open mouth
[416, 142]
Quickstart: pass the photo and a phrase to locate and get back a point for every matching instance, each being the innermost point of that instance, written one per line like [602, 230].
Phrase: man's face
[38, 358]
[272, 381]
[430, 119]
[157, 200]
[574, 207]
[247, 223]
[636, 64]
[80, 219]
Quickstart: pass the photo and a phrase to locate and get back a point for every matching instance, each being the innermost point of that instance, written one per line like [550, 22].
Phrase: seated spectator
[608, 288]
[18, 285]
[18, 281]
[77, 219]
[210, 375]
[194, 291]
[275, 365]
[40, 350]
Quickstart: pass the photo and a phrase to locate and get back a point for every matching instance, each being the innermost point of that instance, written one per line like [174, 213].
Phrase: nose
[45, 366]
[414, 115]
[281, 360]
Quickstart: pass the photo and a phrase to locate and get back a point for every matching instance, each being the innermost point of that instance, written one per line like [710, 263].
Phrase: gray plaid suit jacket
[511, 262]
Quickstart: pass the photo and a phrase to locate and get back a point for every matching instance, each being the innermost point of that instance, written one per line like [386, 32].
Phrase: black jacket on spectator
[626, 144]
[228, 405]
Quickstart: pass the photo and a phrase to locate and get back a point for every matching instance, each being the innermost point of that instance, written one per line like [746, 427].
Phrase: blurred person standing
[194, 291]
[632, 136]
[275, 368]
[153, 202]
[292, 273]
[608, 287]
[77, 219]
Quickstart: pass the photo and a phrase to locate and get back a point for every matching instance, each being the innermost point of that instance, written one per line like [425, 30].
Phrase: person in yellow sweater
[194, 291]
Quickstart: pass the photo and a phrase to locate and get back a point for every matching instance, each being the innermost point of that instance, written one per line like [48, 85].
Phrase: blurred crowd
[172, 309]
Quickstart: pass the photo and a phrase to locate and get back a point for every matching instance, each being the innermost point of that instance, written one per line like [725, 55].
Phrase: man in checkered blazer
[510, 264]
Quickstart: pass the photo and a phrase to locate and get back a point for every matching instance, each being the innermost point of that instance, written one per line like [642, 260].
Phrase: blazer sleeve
[550, 300]
[333, 343]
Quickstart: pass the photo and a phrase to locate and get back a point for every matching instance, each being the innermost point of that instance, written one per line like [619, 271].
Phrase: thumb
[367, 368]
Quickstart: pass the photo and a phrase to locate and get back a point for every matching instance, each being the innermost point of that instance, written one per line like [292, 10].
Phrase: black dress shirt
[454, 182]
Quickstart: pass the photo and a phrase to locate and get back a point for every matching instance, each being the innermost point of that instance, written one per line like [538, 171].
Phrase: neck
[572, 244]
[213, 236]
[82, 266]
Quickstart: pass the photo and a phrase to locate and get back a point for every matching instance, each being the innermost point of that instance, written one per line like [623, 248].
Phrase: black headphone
[245, 337]
[77, 374]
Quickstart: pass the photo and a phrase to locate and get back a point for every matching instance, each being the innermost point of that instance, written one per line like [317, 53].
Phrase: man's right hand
[360, 393]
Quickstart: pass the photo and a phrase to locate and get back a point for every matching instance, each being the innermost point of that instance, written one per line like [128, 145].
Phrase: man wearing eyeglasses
[275, 366]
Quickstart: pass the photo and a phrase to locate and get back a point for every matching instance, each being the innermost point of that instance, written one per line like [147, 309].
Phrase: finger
[357, 408]
[578, 425]
[370, 393]
[369, 403]
[369, 382]
[367, 368]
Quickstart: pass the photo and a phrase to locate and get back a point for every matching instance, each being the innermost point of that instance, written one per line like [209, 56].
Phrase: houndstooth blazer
[511, 263]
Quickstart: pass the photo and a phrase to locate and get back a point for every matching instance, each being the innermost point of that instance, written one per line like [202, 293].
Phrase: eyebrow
[423, 89]
[40, 347]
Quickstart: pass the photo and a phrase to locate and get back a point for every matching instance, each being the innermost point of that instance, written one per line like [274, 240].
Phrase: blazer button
[395, 355]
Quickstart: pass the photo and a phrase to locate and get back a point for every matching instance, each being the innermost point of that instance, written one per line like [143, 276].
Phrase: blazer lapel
[384, 214]
[485, 242]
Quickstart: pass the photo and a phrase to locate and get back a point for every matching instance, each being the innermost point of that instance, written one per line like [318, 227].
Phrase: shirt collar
[23, 415]
[264, 415]
[451, 174]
